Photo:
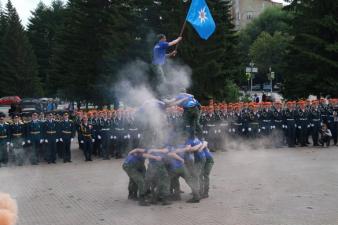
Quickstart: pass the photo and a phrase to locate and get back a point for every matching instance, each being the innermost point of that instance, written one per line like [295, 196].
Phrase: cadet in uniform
[290, 124]
[34, 138]
[315, 121]
[4, 139]
[50, 132]
[104, 126]
[302, 123]
[86, 138]
[67, 134]
[17, 129]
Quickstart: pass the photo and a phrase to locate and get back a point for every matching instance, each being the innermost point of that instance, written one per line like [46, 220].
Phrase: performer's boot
[143, 202]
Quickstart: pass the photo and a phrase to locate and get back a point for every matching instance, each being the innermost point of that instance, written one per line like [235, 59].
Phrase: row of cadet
[158, 183]
[288, 124]
[112, 133]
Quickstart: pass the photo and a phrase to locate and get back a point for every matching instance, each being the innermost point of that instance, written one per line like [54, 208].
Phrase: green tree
[273, 19]
[89, 49]
[312, 63]
[43, 26]
[269, 51]
[19, 74]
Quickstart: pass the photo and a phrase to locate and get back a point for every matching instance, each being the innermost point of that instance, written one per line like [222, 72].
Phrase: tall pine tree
[18, 67]
[89, 47]
[43, 26]
[312, 63]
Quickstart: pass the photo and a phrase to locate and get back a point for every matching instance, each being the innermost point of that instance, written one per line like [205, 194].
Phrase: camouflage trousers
[157, 180]
[205, 176]
[136, 176]
[189, 179]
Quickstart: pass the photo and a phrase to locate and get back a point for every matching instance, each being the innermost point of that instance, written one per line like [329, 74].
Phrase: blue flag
[201, 19]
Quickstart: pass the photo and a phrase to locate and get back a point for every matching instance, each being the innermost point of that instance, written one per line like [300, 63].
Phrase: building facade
[244, 11]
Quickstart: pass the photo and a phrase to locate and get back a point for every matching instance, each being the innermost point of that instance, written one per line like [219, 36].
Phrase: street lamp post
[271, 77]
[252, 70]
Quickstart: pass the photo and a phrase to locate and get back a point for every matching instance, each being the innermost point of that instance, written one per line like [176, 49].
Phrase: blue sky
[24, 7]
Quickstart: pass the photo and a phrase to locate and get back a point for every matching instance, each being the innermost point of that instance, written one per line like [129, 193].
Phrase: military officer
[67, 133]
[104, 126]
[87, 137]
[34, 138]
[50, 132]
[17, 129]
[4, 139]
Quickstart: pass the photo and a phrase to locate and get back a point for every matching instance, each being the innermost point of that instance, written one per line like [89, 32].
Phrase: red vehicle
[8, 100]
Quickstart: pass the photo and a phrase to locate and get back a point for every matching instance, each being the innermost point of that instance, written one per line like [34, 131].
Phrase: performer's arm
[164, 150]
[185, 149]
[175, 156]
[175, 42]
[196, 147]
[150, 156]
[174, 101]
[137, 150]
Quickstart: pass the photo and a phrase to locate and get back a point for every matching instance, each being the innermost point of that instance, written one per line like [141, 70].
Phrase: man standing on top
[160, 54]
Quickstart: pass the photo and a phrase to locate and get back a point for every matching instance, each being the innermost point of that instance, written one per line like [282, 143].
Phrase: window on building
[249, 15]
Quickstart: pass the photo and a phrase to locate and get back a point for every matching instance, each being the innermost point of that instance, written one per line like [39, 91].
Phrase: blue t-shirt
[159, 53]
[198, 155]
[134, 159]
[207, 153]
[174, 163]
[189, 103]
[160, 154]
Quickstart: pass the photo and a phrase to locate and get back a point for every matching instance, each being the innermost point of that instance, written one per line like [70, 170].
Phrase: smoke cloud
[140, 85]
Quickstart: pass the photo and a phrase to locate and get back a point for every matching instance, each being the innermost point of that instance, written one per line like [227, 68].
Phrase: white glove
[259, 130]
[215, 131]
[8, 143]
[12, 145]
[219, 131]
[243, 129]
[57, 140]
[233, 130]
[61, 139]
[249, 129]
[128, 136]
[72, 139]
[99, 137]
[115, 137]
[23, 143]
[296, 125]
[46, 140]
[41, 141]
[29, 141]
[111, 137]
[93, 140]
[81, 142]
[138, 136]
[299, 127]
[263, 128]
[229, 130]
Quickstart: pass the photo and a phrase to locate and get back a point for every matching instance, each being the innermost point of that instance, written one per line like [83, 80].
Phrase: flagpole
[181, 33]
[183, 28]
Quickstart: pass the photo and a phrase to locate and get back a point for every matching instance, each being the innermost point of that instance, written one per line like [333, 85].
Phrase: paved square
[248, 187]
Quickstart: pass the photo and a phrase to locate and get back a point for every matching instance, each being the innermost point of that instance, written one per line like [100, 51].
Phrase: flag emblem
[201, 19]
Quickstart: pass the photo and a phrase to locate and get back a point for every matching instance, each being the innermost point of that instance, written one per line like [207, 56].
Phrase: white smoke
[135, 89]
